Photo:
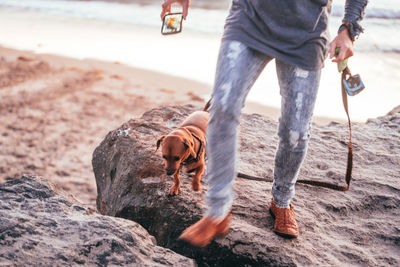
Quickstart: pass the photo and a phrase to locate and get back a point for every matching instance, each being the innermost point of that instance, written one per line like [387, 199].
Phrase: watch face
[172, 23]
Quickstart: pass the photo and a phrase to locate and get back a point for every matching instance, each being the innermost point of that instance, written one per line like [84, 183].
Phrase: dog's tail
[207, 106]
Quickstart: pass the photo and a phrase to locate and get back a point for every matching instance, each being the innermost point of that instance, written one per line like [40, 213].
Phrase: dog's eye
[176, 158]
[165, 157]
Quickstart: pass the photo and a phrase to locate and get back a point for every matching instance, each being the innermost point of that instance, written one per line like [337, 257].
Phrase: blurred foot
[285, 221]
[203, 232]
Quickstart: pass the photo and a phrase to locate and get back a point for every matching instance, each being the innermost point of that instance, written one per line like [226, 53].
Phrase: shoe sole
[288, 236]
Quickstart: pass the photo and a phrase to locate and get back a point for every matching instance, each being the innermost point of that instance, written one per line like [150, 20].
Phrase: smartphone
[172, 23]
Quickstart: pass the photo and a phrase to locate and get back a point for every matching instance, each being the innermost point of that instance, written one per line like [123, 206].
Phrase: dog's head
[175, 149]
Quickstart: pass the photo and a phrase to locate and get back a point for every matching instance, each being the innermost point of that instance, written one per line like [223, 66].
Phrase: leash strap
[349, 168]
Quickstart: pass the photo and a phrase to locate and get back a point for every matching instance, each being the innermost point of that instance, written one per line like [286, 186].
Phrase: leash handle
[341, 65]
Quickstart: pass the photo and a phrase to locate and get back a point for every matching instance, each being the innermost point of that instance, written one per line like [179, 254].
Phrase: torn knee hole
[294, 138]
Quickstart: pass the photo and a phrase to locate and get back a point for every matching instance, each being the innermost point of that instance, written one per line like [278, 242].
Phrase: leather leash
[349, 168]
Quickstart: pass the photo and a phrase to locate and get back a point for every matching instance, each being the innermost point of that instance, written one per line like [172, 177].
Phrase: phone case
[172, 23]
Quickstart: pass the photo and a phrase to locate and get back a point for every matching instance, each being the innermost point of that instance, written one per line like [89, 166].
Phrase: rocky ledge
[357, 227]
[40, 227]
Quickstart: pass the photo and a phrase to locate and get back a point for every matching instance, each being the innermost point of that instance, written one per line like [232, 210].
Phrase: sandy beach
[56, 110]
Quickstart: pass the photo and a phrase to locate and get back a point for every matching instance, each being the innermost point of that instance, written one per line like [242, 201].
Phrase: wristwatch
[348, 26]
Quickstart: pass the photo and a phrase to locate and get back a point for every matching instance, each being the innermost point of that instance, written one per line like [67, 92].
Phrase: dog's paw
[174, 190]
[196, 186]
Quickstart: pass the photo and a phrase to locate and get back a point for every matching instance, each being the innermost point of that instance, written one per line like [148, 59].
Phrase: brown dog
[185, 146]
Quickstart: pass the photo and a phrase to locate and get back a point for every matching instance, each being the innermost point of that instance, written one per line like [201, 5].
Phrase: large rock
[357, 227]
[39, 227]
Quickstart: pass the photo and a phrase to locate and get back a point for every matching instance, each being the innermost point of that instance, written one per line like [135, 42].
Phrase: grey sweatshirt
[294, 31]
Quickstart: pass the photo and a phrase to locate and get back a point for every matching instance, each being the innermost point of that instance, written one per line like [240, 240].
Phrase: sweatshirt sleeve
[353, 14]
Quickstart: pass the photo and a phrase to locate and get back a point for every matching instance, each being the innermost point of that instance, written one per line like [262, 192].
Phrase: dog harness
[191, 159]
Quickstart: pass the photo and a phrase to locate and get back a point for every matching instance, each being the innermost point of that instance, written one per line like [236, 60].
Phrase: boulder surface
[39, 227]
[357, 227]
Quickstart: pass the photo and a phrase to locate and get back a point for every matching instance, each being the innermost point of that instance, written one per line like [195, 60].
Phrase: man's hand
[345, 44]
[166, 7]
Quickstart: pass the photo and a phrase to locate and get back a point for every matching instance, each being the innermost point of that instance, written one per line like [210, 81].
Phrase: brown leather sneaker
[201, 233]
[285, 221]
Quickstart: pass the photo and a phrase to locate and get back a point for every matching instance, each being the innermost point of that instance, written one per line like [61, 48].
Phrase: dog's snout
[170, 172]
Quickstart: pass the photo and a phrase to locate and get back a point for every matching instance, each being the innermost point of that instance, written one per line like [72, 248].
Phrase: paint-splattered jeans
[238, 68]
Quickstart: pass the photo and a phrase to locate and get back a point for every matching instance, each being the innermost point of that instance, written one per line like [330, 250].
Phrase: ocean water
[377, 52]
[382, 18]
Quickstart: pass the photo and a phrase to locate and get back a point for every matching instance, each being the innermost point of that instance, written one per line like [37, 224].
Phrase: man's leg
[298, 89]
[238, 68]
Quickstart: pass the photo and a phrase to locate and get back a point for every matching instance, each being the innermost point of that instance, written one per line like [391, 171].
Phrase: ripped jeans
[238, 68]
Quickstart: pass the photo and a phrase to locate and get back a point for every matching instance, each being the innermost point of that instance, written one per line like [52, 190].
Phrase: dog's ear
[160, 139]
[189, 145]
